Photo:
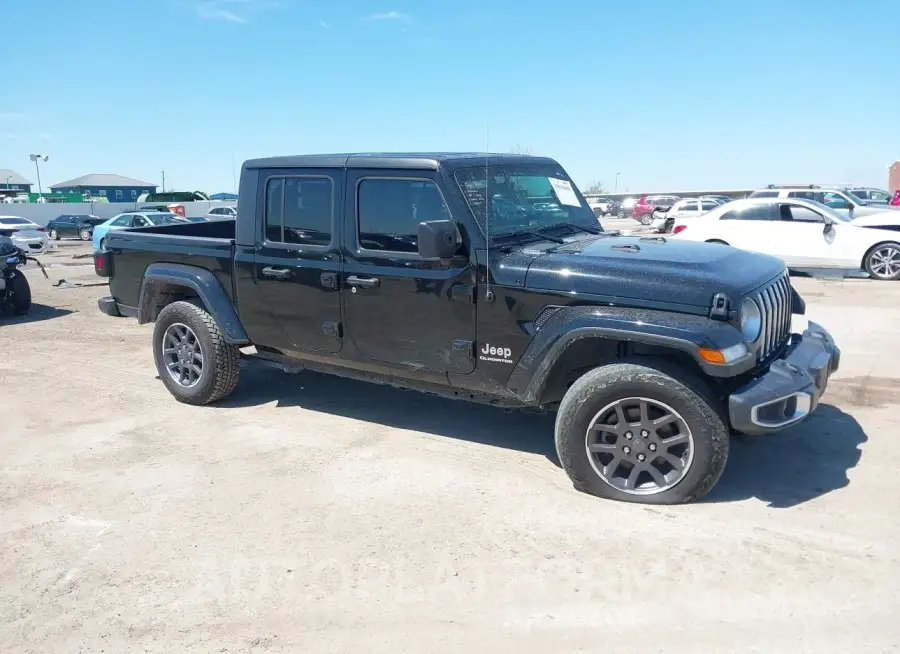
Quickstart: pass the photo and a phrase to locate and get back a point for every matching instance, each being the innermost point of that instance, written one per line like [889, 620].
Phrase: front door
[297, 262]
[805, 241]
[400, 309]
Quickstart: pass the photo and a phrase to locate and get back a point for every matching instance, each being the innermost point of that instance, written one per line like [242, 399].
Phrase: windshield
[524, 197]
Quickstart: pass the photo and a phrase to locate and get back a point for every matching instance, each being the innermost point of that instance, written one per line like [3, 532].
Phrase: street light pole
[616, 187]
[36, 158]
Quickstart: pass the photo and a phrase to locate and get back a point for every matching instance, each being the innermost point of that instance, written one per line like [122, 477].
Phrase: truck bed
[208, 245]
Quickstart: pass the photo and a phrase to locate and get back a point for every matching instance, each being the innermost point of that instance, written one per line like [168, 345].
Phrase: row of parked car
[34, 238]
[811, 228]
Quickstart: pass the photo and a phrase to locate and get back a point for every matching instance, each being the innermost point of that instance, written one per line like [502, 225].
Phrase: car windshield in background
[524, 198]
[828, 211]
[14, 221]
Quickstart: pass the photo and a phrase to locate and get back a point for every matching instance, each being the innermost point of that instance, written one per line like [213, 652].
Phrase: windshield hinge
[720, 307]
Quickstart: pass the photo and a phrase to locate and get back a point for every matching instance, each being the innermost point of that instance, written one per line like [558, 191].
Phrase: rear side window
[764, 194]
[708, 205]
[753, 212]
[299, 210]
[390, 210]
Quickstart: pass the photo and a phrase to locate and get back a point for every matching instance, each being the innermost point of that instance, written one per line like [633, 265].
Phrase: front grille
[774, 302]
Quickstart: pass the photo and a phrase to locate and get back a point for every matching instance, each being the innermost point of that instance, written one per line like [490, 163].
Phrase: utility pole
[163, 180]
[36, 158]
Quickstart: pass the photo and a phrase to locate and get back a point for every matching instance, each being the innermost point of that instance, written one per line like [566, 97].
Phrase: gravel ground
[309, 513]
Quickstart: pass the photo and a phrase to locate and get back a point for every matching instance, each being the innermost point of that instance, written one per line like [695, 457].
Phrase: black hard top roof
[415, 160]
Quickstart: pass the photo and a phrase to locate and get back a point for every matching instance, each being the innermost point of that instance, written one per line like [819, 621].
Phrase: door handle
[276, 273]
[365, 282]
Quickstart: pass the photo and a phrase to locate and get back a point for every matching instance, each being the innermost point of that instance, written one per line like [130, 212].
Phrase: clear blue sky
[672, 94]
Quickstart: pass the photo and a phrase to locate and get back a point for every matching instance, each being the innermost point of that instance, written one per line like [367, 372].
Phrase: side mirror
[829, 227]
[438, 239]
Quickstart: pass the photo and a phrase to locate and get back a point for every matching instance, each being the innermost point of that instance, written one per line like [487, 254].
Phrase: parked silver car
[841, 200]
[25, 234]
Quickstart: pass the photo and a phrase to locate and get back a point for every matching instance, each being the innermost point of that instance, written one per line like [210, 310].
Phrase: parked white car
[686, 208]
[804, 233]
[222, 213]
[25, 234]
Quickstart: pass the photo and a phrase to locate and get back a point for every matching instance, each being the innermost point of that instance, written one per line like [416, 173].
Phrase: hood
[868, 210]
[660, 270]
[881, 218]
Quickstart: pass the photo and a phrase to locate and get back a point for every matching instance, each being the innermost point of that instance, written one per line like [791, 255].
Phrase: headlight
[751, 320]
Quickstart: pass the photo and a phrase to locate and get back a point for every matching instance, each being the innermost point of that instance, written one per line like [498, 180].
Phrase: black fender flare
[204, 284]
[678, 331]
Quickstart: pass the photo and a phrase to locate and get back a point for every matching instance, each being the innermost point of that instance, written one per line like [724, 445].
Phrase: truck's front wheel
[192, 357]
[639, 432]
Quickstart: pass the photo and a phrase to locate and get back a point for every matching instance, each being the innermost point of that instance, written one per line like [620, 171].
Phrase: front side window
[299, 210]
[689, 206]
[708, 205]
[523, 198]
[390, 210]
[122, 221]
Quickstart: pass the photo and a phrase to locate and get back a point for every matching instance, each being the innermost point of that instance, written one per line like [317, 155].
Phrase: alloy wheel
[640, 446]
[85, 234]
[885, 261]
[182, 354]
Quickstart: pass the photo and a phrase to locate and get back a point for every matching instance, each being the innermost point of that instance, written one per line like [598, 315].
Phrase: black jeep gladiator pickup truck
[487, 278]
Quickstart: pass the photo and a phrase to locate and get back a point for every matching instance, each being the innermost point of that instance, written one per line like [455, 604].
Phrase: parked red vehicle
[643, 210]
[895, 201]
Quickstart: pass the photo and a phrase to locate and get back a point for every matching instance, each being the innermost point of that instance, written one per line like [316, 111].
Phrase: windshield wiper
[531, 232]
[570, 225]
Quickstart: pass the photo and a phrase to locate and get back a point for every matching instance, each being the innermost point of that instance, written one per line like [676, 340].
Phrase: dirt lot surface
[309, 513]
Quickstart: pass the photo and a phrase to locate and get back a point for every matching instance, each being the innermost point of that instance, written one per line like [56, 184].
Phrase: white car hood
[888, 218]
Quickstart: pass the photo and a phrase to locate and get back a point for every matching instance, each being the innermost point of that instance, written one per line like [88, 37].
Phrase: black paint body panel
[435, 323]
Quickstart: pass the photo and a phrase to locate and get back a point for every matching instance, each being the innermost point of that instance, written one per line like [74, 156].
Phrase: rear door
[297, 262]
[65, 226]
[400, 309]
[750, 228]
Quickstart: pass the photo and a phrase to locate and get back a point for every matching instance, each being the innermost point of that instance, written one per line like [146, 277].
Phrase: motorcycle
[15, 292]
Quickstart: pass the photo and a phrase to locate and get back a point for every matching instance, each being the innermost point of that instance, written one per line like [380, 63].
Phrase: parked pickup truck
[484, 278]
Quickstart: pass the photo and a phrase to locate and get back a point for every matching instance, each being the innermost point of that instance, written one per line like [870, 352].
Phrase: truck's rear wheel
[192, 357]
[638, 432]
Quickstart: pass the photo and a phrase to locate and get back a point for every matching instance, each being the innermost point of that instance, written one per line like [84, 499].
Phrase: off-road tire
[21, 295]
[221, 360]
[53, 234]
[85, 234]
[656, 380]
[867, 262]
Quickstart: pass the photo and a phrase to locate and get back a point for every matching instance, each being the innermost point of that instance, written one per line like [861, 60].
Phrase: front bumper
[791, 389]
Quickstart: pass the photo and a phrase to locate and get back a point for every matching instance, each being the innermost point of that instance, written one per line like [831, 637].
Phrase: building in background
[894, 177]
[115, 188]
[12, 183]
